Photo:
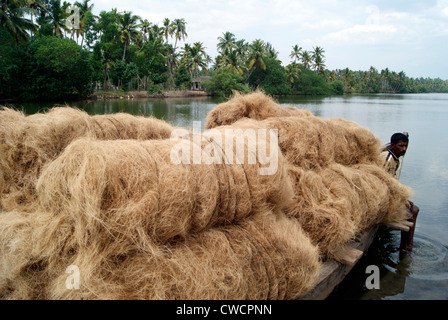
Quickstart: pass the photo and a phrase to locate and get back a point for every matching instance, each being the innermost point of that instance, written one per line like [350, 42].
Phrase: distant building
[196, 82]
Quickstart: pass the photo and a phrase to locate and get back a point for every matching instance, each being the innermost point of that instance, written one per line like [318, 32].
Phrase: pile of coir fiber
[27, 143]
[138, 224]
[256, 105]
[186, 218]
[265, 256]
[340, 188]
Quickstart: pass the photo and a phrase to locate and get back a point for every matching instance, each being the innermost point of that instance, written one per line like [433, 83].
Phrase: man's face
[399, 149]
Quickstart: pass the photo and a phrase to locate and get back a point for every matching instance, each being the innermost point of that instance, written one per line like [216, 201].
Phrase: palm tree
[176, 28]
[385, 79]
[332, 76]
[318, 57]
[84, 9]
[179, 30]
[57, 15]
[12, 18]
[306, 59]
[292, 72]
[195, 58]
[241, 47]
[270, 51]
[171, 60]
[347, 76]
[319, 65]
[318, 51]
[153, 51]
[167, 29]
[231, 58]
[295, 53]
[36, 5]
[128, 29]
[256, 52]
[155, 32]
[145, 28]
[402, 80]
[226, 42]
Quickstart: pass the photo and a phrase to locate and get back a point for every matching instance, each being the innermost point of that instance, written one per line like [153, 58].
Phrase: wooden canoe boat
[333, 272]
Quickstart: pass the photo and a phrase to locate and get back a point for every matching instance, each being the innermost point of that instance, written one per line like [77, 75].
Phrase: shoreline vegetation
[107, 95]
[46, 55]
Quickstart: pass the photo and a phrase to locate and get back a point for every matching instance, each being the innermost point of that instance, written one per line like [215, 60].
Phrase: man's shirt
[391, 163]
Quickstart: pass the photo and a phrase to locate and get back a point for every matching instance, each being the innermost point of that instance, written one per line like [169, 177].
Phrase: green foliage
[183, 79]
[7, 54]
[155, 88]
[273, 80]
[124, 72]
[41, 58]
[310, 83]
[224, 82]
[51, 68]
[386, 81]
[337, 87]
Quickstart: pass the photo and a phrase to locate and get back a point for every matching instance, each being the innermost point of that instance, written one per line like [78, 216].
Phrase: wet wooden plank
[399, 226]
[333, 272]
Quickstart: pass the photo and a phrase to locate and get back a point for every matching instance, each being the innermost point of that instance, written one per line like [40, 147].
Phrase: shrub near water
[51, 68]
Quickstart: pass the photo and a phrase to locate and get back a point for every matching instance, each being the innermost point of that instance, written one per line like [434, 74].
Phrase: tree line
[51, 50]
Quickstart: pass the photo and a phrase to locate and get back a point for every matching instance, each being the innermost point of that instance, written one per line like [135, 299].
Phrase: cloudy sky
[402, 35]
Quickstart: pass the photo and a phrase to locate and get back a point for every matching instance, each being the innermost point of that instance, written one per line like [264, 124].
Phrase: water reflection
[177, 111]
[422, 274]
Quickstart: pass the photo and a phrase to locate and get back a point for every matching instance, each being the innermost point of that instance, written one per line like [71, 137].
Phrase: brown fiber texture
[340, 188]
[266, 256]
[139, 226]
[27, 143]
[256, 105]
[147, 211]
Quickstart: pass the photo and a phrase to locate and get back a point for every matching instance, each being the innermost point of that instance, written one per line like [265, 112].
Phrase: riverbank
[144, 94]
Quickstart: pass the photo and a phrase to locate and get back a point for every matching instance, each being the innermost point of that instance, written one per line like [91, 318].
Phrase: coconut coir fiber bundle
[124, 252]
[336, 203]
[256, 105]
[306, 140]
[137, 185]
[266, 256]
[340, 189]
[312, 142]
[113, 209]
[29, 142]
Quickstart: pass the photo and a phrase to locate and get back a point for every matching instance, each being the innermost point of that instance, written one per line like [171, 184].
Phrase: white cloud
[362, 34]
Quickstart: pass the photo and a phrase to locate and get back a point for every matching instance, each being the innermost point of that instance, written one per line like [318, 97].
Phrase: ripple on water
[427, 261]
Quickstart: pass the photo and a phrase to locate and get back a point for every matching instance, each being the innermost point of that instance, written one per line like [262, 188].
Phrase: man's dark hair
[398, 137]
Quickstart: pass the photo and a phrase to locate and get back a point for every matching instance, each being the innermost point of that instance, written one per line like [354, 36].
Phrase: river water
[423, 274]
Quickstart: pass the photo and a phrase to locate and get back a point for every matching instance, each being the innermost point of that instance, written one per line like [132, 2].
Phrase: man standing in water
[390, 158]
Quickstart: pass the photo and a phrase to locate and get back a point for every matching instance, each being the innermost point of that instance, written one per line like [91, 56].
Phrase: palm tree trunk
[105, 78]
[124, 51]
[170, 69]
